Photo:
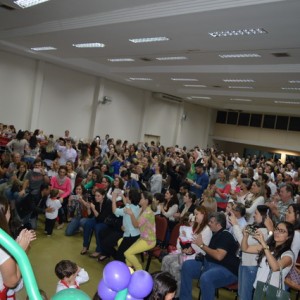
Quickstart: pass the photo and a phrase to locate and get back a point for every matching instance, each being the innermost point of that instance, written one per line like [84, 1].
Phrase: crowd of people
[239, 216]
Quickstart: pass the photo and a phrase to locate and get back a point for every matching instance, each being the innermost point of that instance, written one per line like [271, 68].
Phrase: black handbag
[114, 222]
[264, 290]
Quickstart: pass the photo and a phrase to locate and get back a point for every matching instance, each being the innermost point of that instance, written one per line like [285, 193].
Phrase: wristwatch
[201, 246]
[266, 248]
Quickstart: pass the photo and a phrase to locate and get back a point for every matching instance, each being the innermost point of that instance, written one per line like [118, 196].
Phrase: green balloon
[121, 295]
[71, 294]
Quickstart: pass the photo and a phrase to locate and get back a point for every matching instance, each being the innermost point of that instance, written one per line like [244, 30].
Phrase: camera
[251, 229]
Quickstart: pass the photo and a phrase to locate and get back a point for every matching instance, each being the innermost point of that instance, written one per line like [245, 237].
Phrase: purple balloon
[105, 292]
[129, 297]
[116, 275]
[140, 279]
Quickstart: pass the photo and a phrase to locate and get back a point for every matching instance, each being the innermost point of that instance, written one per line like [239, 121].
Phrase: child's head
[186, 219]
[164, 286]
[54, 193]
[65, 269]
[159, 197]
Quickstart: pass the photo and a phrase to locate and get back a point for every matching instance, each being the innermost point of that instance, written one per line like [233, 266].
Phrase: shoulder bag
[266, 291]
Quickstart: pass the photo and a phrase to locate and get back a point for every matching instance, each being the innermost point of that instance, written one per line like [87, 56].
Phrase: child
[70, 275]
[186, 231]
[158, 199]
[55, 204]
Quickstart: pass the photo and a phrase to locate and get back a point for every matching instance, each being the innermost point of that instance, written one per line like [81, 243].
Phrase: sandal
[83, 252]
[102, 258]
[94, 255]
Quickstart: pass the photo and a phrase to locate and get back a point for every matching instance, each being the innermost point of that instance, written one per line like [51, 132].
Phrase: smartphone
[37, 170]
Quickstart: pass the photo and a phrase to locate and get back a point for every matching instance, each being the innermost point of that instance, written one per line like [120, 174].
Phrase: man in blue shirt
[200, 184]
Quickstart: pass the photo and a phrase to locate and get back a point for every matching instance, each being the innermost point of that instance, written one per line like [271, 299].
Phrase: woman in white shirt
[274, 254]
[170, 263]
[258, 191]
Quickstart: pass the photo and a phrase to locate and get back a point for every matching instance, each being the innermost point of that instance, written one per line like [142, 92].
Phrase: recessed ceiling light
[238, 80]
[240, 87]
[247, 55]
[45, 48]
[140, 78]
[28, 3]
[227, 33]
[291, 89]
[149, 40]
[242, 100]
[120, 59]
[195, 85]
[171, 58]
[184, 79]
[200, 97]
[286, 102]
[89, 45]
[294, 81]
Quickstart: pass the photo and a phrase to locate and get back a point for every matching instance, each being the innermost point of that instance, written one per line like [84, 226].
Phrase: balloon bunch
[119, 284]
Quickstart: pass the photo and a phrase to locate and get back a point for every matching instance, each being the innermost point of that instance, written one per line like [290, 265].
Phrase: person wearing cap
[201, 182]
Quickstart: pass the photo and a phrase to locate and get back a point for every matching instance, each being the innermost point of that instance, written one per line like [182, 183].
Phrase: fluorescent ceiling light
[242, 100]
[195, 85]
[227, 33]
[149, 40]
[294, 81]
[45, 48]
[291, 89]
[286, 102]
[28, 3]
[89, 45]
[140, 78]
[184, 79]
[120, 59]
[238, 80]
[172, 58]
[200, 97]
[240, 87]
[248, 55]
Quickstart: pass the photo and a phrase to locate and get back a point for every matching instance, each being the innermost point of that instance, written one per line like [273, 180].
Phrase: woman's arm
[245, 247]
[172, 210]
[223, 193]
[258, 201]
[133, 219]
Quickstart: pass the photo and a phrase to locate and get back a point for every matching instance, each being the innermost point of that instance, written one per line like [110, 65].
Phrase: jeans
[212, 276]
[247, 276]
[74, 225]
[89, 226]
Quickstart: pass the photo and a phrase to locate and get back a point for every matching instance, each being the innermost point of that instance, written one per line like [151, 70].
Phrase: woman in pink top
[62, 183]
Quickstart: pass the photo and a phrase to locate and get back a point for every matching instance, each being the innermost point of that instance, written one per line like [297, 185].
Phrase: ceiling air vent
[145, 59]
[281, 54]
[6, 7]
[167, 97]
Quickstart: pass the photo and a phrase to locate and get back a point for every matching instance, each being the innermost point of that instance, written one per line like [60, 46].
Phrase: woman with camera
[99, 211]
[274, 255]
[78, 209]
[248, 266]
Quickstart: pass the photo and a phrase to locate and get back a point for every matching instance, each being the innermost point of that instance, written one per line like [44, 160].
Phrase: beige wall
[233, 138]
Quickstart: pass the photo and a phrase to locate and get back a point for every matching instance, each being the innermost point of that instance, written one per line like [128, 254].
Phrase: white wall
[49, 97]
[17, 77]
[45, 96]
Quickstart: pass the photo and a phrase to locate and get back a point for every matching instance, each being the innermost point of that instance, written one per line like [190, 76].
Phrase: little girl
[55, 204]
[186, 232]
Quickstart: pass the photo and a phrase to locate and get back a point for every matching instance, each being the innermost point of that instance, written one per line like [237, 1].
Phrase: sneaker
[60, 226]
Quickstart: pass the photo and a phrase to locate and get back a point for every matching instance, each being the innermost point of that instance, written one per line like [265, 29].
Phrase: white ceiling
[61, 23]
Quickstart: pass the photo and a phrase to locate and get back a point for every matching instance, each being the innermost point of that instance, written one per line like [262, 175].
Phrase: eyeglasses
[280, 230]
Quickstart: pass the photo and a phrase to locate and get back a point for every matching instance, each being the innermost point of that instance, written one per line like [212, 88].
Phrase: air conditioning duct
[167, 97]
